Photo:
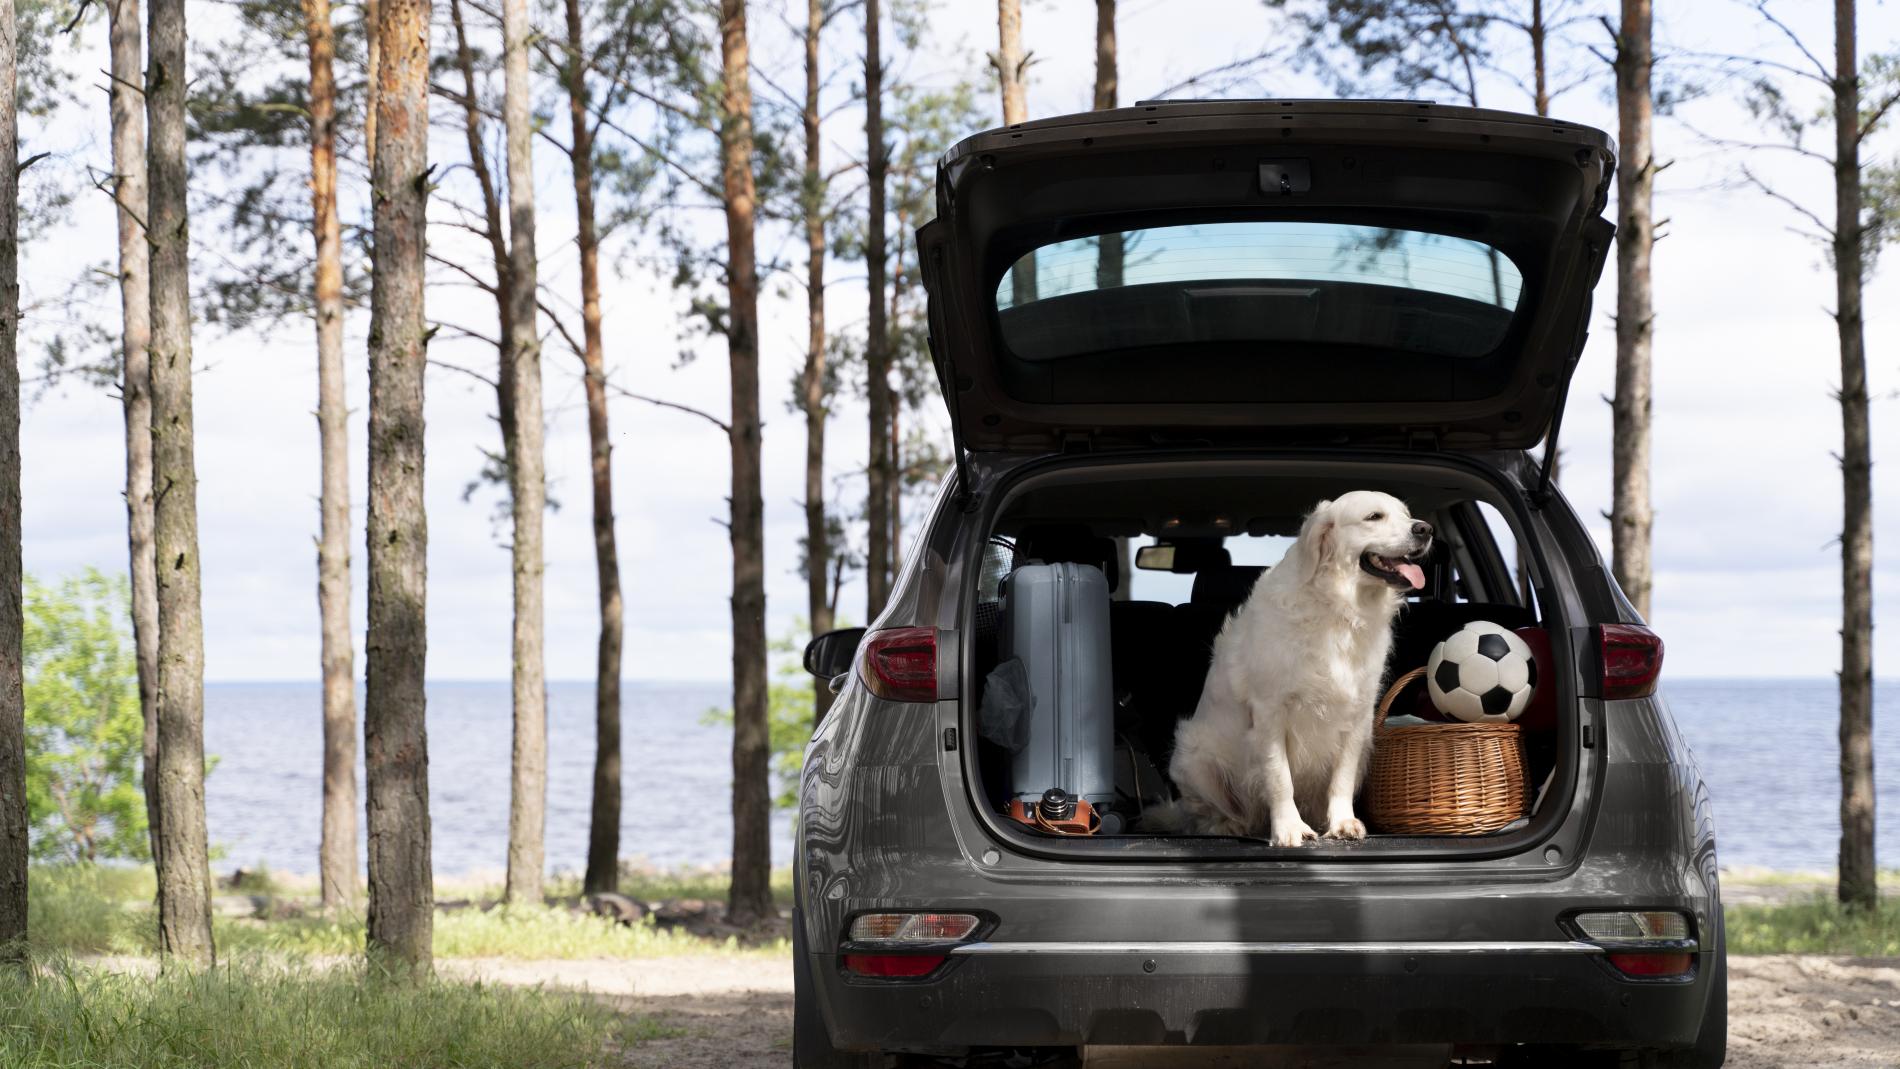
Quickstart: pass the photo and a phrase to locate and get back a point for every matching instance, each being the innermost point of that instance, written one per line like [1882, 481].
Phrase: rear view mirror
[830, 655]
[1155, 558]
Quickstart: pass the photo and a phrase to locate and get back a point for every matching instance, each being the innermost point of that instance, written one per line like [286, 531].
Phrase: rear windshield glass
[1259, 282]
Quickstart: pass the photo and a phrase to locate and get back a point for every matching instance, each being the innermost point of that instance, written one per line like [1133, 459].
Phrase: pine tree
[751, 894]
[336, 855]
[183, 860]
[135, 382]
[395, 734]
[603, 836]
[880, 553]
[527, 809]
[1630, 517]
[13, 815]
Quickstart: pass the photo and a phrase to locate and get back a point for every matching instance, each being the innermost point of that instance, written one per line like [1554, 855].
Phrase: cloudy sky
[1746, 488]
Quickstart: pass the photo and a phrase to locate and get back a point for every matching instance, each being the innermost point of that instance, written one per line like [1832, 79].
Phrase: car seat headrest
[1226, 585]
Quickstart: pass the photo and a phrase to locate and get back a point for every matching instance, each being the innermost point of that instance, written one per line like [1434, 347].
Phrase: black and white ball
[1484, 672]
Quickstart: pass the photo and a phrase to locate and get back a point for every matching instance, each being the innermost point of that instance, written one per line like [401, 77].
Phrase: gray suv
[1163, 334]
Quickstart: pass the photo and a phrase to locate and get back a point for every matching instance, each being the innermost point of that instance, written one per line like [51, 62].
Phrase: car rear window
[1257, 284]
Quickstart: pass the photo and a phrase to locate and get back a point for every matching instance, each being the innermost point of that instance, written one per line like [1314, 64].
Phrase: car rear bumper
[1230, 994]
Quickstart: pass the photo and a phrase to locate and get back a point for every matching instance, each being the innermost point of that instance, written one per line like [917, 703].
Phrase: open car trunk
[1220, 520]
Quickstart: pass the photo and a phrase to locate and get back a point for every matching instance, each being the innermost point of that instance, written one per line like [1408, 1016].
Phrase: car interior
[1180, 555]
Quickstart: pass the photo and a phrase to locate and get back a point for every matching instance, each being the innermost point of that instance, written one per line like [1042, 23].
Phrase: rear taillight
[900, 663]
[903, 946]
[1641, 944]
[1632, 660]
[892, 966]
[1651, 966]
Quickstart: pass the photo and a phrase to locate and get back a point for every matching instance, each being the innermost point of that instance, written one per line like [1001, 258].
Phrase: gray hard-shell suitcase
[1055, 619]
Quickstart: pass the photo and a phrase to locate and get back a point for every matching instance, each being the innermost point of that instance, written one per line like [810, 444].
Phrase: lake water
[1767, 749]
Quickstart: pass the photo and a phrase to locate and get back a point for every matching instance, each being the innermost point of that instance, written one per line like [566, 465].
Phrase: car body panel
[1534, 188]
[887, 823]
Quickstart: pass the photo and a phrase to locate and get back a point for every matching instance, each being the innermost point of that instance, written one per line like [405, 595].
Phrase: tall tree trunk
[877, 353]
[811, 385]
[1540, 78]
[751, 894]
[1109, 251]
[1630, 517]
[1012, 69]
[897, 484]
[372, 82]
[184, 872]
[13, 815]
[603, 838]
[395, 733]
[1857, 873]
[135, 388]
[1012, 65]
[528, 806]
[336, 856]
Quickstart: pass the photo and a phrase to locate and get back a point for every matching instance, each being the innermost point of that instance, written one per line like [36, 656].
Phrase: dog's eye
[1375, 517]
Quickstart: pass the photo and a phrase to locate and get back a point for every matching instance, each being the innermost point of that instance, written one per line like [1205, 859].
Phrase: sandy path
[728, 1011]
[1789, 1010]
[736, 1012]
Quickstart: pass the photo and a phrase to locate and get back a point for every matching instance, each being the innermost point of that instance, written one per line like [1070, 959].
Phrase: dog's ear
[1317, 535]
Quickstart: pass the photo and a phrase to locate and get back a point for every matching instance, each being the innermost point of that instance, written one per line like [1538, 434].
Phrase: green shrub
[1815, 926]
[255, 1015]
[84, 731]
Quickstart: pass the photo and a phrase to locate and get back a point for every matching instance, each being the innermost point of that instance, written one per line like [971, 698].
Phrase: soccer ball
[1481, 673]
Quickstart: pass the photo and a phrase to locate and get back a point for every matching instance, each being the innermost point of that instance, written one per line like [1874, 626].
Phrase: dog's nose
[1421, 529]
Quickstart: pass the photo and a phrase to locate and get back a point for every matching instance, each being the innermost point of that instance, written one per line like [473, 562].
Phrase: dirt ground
[736, 1012]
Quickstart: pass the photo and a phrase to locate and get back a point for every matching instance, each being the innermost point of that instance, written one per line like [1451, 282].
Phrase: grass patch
[1815, 926]
[252, 1015]
[98, 910]
[503, 932]
[90, 909]
[657, 885]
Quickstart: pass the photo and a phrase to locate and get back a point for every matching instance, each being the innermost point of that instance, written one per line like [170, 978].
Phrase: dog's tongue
[1413, 574]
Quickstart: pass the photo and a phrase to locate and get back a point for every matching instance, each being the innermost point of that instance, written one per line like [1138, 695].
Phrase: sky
[1746, 488]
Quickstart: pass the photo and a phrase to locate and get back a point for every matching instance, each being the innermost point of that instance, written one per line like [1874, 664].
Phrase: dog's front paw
[1346, 828]
[1293, 833]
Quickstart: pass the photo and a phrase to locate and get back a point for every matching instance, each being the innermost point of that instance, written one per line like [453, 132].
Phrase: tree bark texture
[1630, 516]
[372, 65]
[13, 815]
[395, 732]
[1857, 863]
[811, 384]
[603, 838]
[1540, 77]
[527, 483]
[336, 854]
[129, 194]
[1012, 69]
[1109, 252]
[751, 893]
[184, 873]
[1012, 64]
[880, 553]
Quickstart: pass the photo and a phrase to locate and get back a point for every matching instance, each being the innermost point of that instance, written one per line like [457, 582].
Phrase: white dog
[1283, 730]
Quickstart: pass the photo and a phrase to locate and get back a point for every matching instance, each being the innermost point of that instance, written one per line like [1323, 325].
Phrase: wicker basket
[1443, 779]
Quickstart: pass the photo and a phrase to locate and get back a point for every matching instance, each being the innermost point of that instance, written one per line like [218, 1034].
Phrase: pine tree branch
[1761, 8]
[675, 405]
[1775, 194]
